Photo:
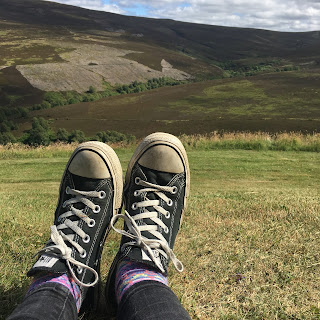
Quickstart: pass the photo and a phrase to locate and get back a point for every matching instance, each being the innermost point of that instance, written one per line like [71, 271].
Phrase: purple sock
[131, 272]
[64, 280]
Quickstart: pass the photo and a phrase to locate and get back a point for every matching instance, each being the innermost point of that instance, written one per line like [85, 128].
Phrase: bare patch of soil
[91, 65]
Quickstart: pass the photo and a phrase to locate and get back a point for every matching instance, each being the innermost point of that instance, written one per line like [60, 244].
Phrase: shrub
[40, 134]
[62, 135]
[91, 97]
[92, 89]
[77, 136]
[3, 116]
[7, 126]
[36, 107]
[37, 137]
[23, 112]
[4, 127]
[114, 136]
[45, 105]
[7, 137]
[55, 99]
[73, 97]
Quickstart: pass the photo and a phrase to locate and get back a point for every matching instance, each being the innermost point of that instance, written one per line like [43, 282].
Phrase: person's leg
[50, 301]
[151, 300]
[68, 266]
[156, 187]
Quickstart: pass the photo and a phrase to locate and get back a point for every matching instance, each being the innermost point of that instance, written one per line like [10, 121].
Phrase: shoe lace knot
[59, 236]
[158, 244]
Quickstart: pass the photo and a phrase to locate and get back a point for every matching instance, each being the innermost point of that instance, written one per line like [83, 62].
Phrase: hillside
[272, 102]
[57, 46]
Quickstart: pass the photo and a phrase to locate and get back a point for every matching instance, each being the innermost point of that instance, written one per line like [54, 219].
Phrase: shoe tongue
[83, 184]
[156, 177]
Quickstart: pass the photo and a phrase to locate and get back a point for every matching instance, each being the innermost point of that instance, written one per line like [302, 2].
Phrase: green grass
[249, 240]
[256, 97]
[260, 258]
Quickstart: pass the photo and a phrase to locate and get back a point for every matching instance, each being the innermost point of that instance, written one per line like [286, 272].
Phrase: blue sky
[284, 15]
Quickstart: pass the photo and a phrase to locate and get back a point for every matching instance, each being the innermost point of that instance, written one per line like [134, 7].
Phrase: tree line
[41, 134]
[236, 69]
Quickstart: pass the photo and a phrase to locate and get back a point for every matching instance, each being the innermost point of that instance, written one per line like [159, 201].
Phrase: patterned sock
[131, 272]
[64, 280]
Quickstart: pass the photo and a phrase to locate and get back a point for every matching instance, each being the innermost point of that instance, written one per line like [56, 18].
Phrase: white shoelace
[58, 237]
[153, 247]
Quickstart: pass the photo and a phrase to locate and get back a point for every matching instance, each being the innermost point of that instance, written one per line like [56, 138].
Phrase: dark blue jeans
[146, 300]
[49, 301]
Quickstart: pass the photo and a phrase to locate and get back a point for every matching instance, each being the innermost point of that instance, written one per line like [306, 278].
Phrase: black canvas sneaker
[90, 195]
[156, 188]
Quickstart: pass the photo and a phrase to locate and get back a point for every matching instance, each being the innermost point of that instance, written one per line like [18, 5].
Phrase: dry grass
[292, 141]
[54, 150]
[249, 240]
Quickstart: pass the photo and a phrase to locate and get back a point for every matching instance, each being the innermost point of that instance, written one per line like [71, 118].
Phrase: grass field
[249, 240]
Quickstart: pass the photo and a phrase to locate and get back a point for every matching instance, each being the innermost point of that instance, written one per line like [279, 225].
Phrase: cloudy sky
[279, 15]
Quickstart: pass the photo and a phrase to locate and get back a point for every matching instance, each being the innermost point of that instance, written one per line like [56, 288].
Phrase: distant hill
[60, 47]
[65, 48]
[212, 43]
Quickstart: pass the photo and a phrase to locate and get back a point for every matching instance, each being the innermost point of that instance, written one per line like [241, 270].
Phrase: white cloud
[288, 15]
[284, 15]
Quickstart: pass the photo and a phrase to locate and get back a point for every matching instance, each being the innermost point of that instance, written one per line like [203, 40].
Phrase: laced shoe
[157, 184]
[90, 194]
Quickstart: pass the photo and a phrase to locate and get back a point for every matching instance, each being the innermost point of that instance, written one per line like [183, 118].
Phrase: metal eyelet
[83, 254]
[166, 230]
[91, 223]
[86, 239]
[96, 209]
[174, 190]
[137, 180]
[136, 193]
[79, 270]
[167, 215]
[134, 206]
[170, 203]
[64, 205]
[67, 190]
[102, 195]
